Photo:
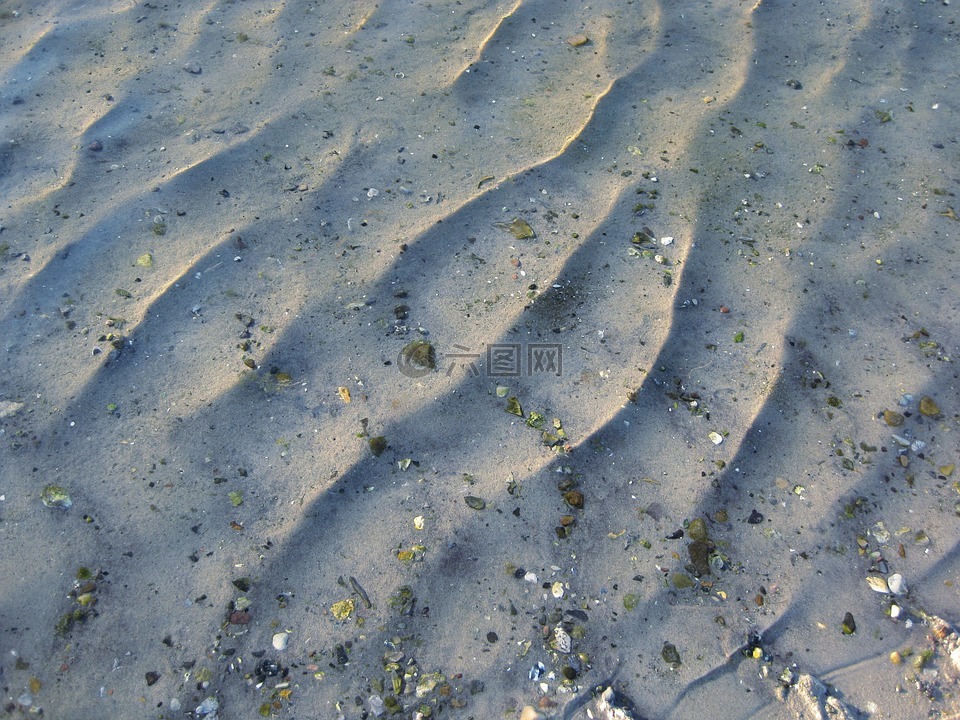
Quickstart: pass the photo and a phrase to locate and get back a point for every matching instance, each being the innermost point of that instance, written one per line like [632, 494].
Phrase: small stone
[561, 640]
[897, 584]
[55, 496]
[878, 584]
[670, 655]
[893, 419]
[8, 408]
[530, 713]
[928, 407]
[240, 617]
[280, 640]
[715, 437]
[578, 40]
[574, 498]
[152, 678]
[207, 707]
[95, 146]
[475, 503]
[193, 68]
[849, 626]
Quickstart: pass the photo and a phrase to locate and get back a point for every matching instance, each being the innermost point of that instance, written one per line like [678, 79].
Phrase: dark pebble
[755, 517]
[152, 678]
[95, 146]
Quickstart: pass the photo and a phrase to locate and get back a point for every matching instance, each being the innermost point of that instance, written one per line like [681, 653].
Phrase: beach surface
[445, 359]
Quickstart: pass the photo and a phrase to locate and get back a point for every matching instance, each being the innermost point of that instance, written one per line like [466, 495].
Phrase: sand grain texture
[192, 189]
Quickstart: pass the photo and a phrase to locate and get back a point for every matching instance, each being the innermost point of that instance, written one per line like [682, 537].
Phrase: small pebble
[280, 641]
[530, 713]
[193, 68]
[897, 584]
[95, 146]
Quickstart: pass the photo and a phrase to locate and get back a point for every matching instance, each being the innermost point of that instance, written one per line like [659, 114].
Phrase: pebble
[376, 705]
[208, 708]
[8, 408]
[280, 641]
[897, 584]
[95, 146]
[530, 713]
[561, 641]
[193, 68]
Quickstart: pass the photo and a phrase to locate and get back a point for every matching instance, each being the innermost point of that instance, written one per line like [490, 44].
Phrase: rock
[280, 641]
[612, 705]
[9, 408]
[193, 68]
[208, 708]
[810, 699]
[897, 584]
[929, 407]
[530, 713]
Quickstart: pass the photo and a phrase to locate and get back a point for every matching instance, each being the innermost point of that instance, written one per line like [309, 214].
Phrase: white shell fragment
[561, 640]
[715, 437]
[878, 584]
[557, 590]
[531, 577]
[280, 641]
[897, 584]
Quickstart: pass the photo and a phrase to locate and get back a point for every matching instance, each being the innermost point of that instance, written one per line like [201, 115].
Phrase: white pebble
[280, 641]
[898, 585]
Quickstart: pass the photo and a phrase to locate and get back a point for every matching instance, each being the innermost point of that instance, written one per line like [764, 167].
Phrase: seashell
[878, 584]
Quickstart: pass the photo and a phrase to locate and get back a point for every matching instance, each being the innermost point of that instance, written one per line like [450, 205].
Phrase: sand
[223, 219]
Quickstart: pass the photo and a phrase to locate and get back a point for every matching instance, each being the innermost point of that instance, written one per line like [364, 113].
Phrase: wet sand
[223, 220]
